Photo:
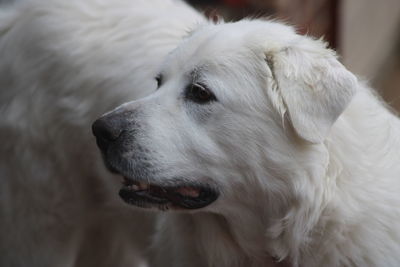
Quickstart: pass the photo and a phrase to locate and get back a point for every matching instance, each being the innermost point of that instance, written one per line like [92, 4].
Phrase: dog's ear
[313, 87]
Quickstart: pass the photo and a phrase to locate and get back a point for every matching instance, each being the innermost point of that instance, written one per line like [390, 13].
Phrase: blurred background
[366, 33]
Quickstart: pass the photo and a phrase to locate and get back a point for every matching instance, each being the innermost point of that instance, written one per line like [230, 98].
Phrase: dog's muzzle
[115, 134]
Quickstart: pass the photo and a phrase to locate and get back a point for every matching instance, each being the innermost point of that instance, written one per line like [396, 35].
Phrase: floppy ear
[313, 86]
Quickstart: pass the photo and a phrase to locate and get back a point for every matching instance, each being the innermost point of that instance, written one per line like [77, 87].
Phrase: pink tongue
[188, 191]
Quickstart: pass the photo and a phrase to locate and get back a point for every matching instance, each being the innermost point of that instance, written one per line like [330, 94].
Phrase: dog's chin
[179, 196]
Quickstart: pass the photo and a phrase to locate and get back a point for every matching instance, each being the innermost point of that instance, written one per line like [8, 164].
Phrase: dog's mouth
[148, 195]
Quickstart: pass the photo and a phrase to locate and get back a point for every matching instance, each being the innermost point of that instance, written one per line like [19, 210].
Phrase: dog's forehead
[218, 44]
[206, 46]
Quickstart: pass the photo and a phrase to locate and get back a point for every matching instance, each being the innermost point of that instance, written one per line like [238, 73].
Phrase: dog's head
[240, 110]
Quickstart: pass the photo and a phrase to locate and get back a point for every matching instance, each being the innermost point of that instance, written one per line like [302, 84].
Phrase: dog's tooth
[188, 191]
[134, 187]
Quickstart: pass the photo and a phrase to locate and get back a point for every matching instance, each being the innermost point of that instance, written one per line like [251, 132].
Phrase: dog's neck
[360, 179]
[219, 241]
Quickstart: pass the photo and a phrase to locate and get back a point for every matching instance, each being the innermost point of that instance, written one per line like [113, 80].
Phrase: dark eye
[200, 94]
[159, 80]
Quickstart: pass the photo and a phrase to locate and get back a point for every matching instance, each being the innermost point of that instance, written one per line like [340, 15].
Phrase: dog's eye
[158, 80]
[199, 94]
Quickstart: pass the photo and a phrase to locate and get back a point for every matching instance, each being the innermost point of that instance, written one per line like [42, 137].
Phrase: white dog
[63, 63]
[266, 145]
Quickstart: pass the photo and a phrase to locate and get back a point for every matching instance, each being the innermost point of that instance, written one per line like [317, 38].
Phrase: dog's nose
[107, 129]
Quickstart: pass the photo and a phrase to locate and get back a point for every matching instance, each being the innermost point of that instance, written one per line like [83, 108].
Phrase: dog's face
[238, 107]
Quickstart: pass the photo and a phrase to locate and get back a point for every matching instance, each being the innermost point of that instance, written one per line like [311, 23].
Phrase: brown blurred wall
[370, 43]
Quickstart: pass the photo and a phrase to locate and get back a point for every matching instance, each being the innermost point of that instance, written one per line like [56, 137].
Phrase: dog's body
[62, 64]
[309, 177]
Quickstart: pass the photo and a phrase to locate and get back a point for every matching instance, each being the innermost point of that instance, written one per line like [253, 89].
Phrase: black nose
[107, 129]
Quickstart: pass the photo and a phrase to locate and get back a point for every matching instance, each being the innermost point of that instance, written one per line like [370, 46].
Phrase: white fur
[305, 156]
[62, 64]
[305, 177]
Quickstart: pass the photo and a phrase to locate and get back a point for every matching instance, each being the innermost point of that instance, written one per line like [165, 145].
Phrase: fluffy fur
[63, 64]
[305, 156]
